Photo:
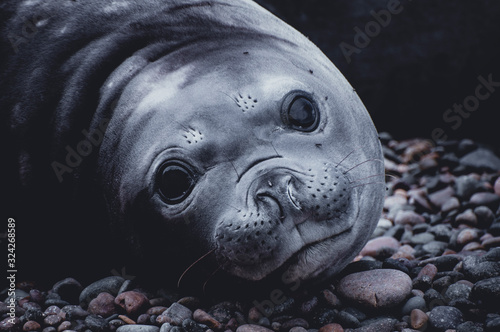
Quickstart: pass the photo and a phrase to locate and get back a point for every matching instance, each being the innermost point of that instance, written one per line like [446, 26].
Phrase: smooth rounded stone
[203, 317]
[333, 327]
[440, 197]
[254, 314]
[493, 325]
[64, 326]
[295, 322]
[404, 252]
[470, 327]
[451, 204]
[443, 263]
[223, 311]
[408, 218]
[485, 198]
[377, 325]
[395, 264]
[330, 299]
[52, 320]
[418, 319]
[166, 327]
[435, 248]
[73, 312]
[467, 217]
[53, 329]
[493, 242]
[395, 201]
[374, 246]
[443, 318]
[466, 185]
[96, 323]
[143, 319]
[424, 279]
[376, 288]
[481, 159]
[472, 246]
[68, 289]
[56, 302]
[421, 238]
[252, 328]
[190, 302]
[347, 320]
[103, 305]
[297, 329]
[384, 223]
[52, 310]
[176, 314]
[156, 310]
[31, 306]
[487, 291]
[457, 291]
[485, 216]
[415, 302]
[467, 235]
[31, 325]
[138, 328]
[109, 284]
[497, 186]
[10, 324]
[476, 269]
[441, 232]
[133, 302]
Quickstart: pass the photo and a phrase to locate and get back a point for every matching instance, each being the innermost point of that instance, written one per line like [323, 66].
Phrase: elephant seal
[205, 132]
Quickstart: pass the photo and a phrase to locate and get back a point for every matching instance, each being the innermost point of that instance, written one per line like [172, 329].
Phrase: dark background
[423, 62]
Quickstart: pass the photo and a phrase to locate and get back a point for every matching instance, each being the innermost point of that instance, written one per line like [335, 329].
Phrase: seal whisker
[371, 176]
[234, 167]
[233, 99]
[345, 158]
[364, 184]
[190, 266]
[364, 162]
[210, 278]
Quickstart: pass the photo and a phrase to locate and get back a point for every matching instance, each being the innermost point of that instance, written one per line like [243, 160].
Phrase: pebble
[373, 247]
[440, 197]
[333, 327]
[176, 314]
[458, 291]
[413, 303]
[133, 302]
[138, 328]
[451, 204]
[467, 235]
[486, 198]
[481, 159]
[252, 328]
[110, 285]
[96, 323]
[443, 318]
[408, 218]
[497, 186]
[467, 217]
[418, 319]
[31, 326]
[376, 288]
[103, 305]
[201, 316]
[487, 292]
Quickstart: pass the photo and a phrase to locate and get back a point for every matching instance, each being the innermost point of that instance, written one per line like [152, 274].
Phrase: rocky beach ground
[433, 264]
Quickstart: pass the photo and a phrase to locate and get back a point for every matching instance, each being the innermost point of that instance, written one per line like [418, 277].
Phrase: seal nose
[279, 189]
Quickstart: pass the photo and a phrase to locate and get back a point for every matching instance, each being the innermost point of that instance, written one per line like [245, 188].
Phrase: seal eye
[300, 113]
[175, 182]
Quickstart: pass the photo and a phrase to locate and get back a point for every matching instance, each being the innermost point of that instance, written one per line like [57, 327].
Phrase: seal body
[195, 129]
